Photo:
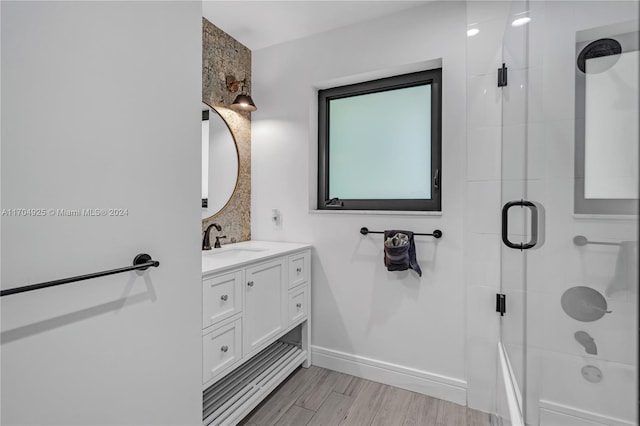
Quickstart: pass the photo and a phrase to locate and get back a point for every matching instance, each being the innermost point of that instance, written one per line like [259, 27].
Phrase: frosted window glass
[611, 129]
[380, 145]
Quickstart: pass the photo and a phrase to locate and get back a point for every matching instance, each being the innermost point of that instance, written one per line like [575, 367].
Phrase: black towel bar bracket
[140, 263]
[436, 234]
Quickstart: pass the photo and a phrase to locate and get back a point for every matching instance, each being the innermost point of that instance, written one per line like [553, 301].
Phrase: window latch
[436, 179]
[334, 202]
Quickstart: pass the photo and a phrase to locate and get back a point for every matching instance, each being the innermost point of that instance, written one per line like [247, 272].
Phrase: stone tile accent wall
[222, 55]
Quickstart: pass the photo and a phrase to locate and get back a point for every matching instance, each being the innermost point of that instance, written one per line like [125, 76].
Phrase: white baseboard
[438, 386]
[586, 417]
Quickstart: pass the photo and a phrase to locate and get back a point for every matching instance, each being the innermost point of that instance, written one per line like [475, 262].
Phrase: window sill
[376, 212]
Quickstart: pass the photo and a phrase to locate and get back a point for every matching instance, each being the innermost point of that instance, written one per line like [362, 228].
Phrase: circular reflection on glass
[592, 374]
[521, 21]
[584, 304]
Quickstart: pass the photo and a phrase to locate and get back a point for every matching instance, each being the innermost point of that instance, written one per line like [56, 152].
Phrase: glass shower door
[569, 259]
[519, 235]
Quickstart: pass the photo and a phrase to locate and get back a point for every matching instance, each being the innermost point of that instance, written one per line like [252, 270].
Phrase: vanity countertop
[239, 254]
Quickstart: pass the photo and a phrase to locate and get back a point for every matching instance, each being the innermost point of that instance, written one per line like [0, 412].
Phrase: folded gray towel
[400, 251]
[398, 240]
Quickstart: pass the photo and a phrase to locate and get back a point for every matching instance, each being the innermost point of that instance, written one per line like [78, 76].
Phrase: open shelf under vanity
[229, 400]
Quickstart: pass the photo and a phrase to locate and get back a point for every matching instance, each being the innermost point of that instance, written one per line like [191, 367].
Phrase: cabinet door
[265, 313]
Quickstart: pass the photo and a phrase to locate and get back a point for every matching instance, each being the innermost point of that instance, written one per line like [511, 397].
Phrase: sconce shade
[244, 103]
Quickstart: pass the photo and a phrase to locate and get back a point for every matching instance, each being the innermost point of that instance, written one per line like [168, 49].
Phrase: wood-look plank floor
[319, 397]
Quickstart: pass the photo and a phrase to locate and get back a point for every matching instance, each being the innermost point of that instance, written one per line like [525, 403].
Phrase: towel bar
[436, 233]
[581, 240]
[140, 262]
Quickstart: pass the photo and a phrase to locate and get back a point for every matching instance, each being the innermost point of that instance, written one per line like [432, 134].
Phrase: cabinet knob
[250, 283]
[298, 305]
[224, 297]
[224, 348]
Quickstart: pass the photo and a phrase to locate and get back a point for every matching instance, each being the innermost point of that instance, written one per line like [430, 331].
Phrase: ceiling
[259, 24]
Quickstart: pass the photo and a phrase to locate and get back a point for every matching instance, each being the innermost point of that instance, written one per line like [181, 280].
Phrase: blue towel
[400, 251]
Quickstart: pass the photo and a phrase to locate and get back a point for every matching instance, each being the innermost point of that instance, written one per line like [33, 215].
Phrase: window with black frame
[379, 144]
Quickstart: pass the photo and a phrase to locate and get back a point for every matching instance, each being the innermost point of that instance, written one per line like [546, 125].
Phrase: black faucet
[206, 241]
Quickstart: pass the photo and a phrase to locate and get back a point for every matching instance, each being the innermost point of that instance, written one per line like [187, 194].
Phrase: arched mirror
[219, 162]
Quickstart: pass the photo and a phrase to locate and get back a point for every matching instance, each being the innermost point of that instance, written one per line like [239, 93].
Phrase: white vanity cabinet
[255, 324]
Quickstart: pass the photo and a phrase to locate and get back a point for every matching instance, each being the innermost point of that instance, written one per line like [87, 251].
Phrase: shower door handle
[534, 225]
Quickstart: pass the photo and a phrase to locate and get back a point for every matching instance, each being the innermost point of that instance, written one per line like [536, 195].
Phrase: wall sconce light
[243, 101]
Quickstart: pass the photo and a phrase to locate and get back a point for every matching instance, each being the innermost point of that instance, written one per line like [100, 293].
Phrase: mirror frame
[235, 144]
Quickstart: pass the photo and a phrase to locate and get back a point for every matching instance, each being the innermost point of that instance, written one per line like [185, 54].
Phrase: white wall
[101, 109]
[412, 330]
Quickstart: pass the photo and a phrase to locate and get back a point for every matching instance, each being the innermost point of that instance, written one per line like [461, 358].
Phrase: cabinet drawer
[221, 297]
[298, 305]
[299, 268]
[221, 348]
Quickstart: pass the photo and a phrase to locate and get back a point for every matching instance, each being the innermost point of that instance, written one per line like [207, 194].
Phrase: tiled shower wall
[482, 219]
